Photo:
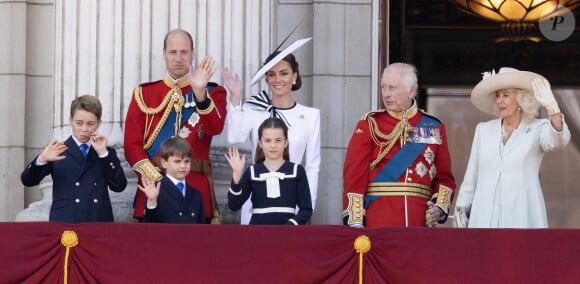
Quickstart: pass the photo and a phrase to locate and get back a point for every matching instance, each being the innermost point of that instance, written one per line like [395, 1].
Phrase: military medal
[429, 155]
[193, 119]
[184, 132]
[200, 132]
[420, 169]
[187, 100]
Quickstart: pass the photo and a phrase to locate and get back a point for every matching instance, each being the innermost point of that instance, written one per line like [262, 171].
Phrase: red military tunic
[370, 200]
[147, 108]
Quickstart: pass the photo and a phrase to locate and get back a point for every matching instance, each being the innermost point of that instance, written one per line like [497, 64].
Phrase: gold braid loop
[170, 101]
[390, 139]
[147, 110]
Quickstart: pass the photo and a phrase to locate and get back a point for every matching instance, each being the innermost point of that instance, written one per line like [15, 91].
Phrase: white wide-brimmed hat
[483, 95]
[277, 57]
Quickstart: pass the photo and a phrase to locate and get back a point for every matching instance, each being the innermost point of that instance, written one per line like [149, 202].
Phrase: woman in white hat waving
[501, 187]
[283, 77]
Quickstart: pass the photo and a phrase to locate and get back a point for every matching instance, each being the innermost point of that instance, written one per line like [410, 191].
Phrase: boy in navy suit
[83, 168]
[171, 200]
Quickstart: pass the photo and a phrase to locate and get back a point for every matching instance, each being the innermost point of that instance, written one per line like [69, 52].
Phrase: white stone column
[106, 48]
[25, 77]
[343, 76]
[13, 82]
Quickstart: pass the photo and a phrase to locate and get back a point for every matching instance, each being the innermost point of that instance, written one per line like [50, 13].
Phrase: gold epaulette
[147, 169]
[370, 113]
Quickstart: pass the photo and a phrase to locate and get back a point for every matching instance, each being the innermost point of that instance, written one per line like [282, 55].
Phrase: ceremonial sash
[168, 129]
[401, 160]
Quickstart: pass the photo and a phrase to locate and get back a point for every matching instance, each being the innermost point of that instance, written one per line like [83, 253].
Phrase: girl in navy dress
[278, 188]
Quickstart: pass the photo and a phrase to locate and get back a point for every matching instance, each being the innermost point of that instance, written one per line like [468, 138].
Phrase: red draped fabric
[165, 253]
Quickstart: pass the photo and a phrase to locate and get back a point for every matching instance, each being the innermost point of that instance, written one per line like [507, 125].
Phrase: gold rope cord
[362, 245]
[69, 239]
[165, 105]
[389, 139]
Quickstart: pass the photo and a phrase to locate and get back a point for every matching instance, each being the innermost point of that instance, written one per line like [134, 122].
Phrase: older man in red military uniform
[397, 170]
[184, 103]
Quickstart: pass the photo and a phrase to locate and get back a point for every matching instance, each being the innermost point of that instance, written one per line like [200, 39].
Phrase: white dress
[502, 184]
[303, 139]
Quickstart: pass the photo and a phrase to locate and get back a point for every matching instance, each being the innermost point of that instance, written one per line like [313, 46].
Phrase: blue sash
[402, 159]
[168, 129]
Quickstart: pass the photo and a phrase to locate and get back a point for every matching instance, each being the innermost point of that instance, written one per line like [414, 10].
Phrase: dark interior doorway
[450, 47]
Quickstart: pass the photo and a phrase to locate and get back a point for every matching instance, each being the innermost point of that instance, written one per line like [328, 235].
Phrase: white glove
[544, 95]
[461, 216]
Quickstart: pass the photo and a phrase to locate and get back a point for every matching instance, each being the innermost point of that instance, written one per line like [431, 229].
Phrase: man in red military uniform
[397, 170]
[184, 103]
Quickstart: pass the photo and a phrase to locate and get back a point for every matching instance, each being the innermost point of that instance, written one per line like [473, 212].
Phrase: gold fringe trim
[362, 245]
[69, 239]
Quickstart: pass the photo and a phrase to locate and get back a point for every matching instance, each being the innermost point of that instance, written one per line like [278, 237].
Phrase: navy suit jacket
[173, 207]
[80, 185]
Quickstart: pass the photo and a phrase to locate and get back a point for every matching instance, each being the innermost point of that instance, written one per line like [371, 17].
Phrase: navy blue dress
[274, 210]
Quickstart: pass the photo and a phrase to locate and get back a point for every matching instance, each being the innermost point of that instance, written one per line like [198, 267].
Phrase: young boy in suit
[171, 200]
[83, 168]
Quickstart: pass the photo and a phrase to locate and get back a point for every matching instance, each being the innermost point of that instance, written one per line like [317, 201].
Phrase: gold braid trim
[443, 198]
[209, 108]
[173, 99]
[147, 169]
[390, 139]
[147, 110]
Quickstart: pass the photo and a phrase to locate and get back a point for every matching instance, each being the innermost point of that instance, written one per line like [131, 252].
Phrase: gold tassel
[362, 245]
[69, 239]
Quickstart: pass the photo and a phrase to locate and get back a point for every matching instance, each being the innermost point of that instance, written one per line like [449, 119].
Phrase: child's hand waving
[236, 162]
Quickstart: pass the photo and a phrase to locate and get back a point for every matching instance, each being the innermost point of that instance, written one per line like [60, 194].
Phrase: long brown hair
[271, 123]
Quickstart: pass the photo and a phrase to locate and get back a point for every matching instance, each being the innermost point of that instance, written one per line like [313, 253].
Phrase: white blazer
[512, 173]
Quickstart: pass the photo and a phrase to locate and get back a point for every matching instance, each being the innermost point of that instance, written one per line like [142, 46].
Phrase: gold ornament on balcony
[517, 18]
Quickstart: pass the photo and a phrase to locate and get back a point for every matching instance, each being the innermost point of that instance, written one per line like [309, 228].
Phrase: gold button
[357, 210]
[77, 200]
[192, 214]
[410, 171]
[409, 179]
[95, 200]
[77, 183]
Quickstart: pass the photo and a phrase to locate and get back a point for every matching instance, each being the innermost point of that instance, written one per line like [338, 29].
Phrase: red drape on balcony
[164, 253]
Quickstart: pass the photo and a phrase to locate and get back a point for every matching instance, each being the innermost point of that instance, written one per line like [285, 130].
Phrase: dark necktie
[85, 149]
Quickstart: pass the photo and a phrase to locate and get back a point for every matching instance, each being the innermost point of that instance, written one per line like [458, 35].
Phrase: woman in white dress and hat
[283, 77]
[501, 187]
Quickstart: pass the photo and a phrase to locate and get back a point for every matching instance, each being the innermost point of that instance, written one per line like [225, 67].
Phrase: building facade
[56, 50]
